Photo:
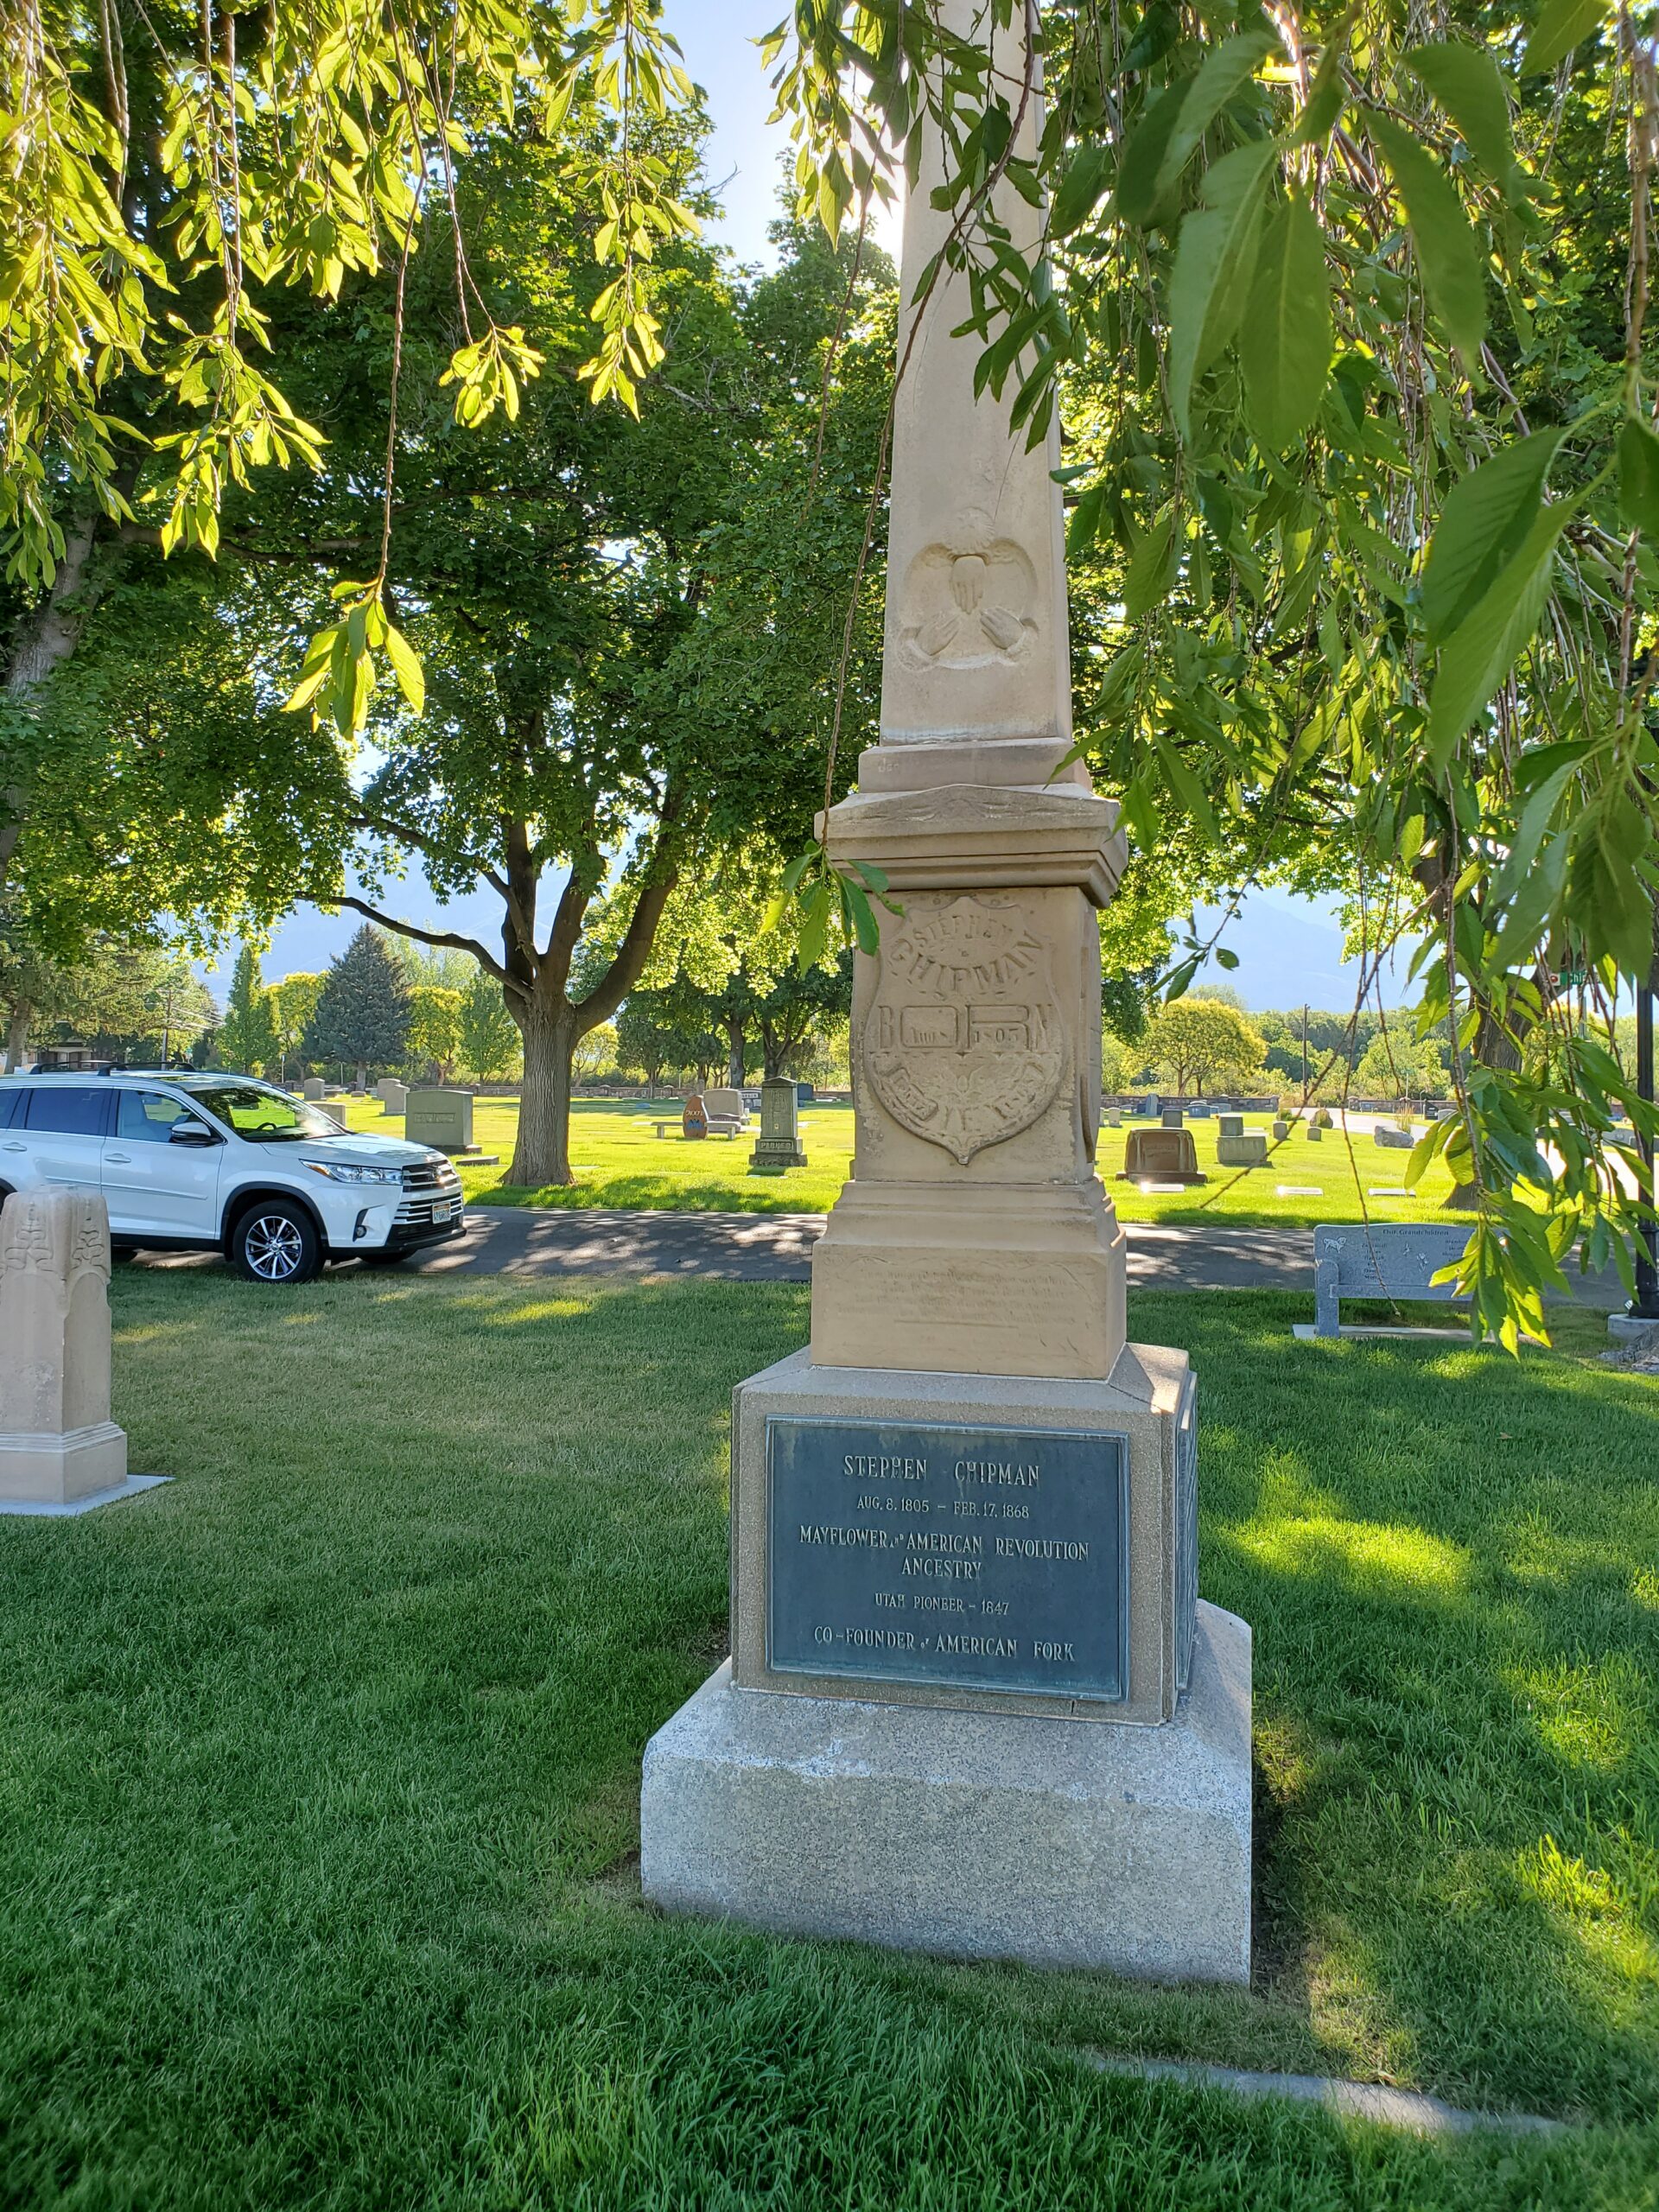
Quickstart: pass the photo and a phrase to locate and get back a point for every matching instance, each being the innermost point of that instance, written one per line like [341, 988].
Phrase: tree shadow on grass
[1446, 1557]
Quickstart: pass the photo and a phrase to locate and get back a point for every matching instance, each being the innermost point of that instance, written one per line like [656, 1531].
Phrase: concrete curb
[1408, 2110]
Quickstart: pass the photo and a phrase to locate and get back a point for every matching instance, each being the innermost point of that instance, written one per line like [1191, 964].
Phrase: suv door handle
[125, 1158]
[12, 1145]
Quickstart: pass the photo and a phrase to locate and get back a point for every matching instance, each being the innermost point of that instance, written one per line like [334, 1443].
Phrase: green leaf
[1327, 95]
[863, 918]
[1481, 651]
[1485, 518]
[1187, 788]
[1137, 191]
[1215, 260]
[1638, 478]
[1560, 25]
[1079, 190]
[1083, 524]
[1151, 567]
[1225, 956]
[1447, 249]
[1224, 70]
[406, 668]
[1284, 342]
[1467, 82]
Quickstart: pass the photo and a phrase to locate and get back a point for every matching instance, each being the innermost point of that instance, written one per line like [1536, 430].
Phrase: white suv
[222, 1163]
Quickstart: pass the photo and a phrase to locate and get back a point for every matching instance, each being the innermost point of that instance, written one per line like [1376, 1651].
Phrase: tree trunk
[541, 1154]
[18, 1036]
[47, 642]
[733, 1052]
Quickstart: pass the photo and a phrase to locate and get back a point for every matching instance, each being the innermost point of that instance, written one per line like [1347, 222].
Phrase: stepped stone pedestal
[973, 1704]
[57, 1441]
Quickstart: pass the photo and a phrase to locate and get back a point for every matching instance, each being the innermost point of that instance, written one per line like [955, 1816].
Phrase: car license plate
[443, 1210]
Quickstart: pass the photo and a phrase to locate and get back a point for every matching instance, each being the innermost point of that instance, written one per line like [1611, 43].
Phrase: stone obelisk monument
[974, 1702]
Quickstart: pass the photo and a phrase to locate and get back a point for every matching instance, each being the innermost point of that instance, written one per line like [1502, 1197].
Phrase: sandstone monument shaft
[976, 1236]
[977, 667]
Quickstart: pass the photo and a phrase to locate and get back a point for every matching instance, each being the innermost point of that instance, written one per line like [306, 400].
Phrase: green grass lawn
[621, 1161]
[319, 1774]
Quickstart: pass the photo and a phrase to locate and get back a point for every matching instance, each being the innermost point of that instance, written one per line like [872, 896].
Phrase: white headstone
[57, 1441]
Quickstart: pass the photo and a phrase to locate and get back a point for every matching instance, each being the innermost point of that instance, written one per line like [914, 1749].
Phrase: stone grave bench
[1385, 1260]
[727, 1112]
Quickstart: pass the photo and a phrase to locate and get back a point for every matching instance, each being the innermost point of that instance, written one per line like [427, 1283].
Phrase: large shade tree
[1381, 547]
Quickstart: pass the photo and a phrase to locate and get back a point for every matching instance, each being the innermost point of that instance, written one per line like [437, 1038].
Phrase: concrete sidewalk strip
[1409, 2110]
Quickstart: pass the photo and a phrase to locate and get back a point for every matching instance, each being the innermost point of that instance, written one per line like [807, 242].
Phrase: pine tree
[248, 1039]
[362, 1016]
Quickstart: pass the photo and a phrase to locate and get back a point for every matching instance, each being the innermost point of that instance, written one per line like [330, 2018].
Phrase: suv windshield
[265, 1116]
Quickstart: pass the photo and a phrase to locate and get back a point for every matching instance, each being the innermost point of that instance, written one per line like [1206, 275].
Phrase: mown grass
[619, 1160]
[319, 1774]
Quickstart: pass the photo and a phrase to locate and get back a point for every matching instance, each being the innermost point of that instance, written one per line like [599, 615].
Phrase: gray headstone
[443, 1119]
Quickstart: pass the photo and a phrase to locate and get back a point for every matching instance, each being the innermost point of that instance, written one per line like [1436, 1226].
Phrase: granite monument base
[56, 1469]
[985, 1836]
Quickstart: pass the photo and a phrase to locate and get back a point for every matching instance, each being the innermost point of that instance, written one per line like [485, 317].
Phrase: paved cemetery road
[778, 1248]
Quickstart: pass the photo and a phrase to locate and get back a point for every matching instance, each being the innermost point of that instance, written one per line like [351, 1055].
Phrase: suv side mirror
[195, 1133]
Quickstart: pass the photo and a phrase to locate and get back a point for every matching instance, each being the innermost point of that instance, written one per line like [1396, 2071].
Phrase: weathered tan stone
[1248, 1149]
[976, 646]
[57, 1441]
[1162, 1156]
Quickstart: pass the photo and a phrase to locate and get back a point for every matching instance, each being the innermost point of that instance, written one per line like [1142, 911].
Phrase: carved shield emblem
[965, 1045]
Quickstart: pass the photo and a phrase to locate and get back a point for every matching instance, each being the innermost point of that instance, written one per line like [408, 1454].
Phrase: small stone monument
[1173, 1118]
[1154, 1105]
[394, 1097]
[1231, 1125]
[694, 1121]
[313, 1087]
[1245, 1148]
[443, 1119]
[974, 1704]
[778, 1145]
[1198, 1110]
[1162, 1155]
[57, 1441]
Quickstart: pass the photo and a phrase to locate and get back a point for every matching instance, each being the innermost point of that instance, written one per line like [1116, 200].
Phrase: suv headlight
[344, 1171]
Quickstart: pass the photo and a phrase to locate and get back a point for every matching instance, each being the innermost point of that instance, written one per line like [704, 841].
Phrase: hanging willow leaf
[1226, 70]
[1638, 478]
[1138, 193]
[1214, 261]
[1484, 648]
[1560, 25]
[1284, 342]
[1468, 84]
[1486, 518]
[1151, 567]
[1446, 250]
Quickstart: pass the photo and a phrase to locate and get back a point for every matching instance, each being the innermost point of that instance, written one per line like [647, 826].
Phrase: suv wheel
[275, 1242]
